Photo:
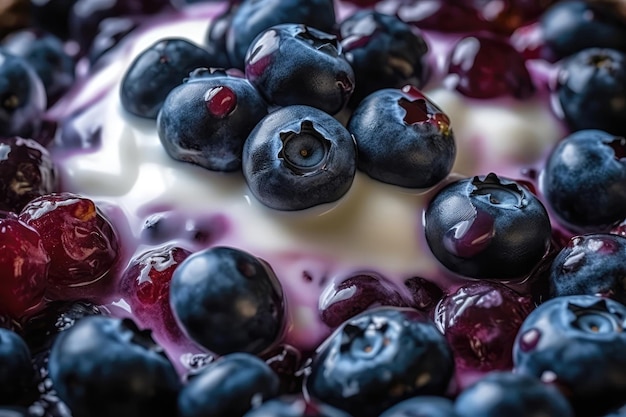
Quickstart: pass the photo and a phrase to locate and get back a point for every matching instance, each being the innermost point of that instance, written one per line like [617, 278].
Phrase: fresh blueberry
[228, 300]
[252, 17]
[14, 412]
[422, 406]
[577, 343]
[206, 120]
[296, 64]
[22, 97]
[487, 227]
[294, 406]
[584, 180]
[298, 157]
[403, 138]
[571, 26]
[229, 386]
[46, 54]
[503, 393]
[591, 90]
[593, 264]
[156, 71]
[16, 370]
[384, 52]
[379, 358]
[215, 38]
[104, 366]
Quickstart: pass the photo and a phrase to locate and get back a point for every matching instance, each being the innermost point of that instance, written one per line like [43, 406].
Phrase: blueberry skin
[16, 370]
[230, 386]
[379, 358]
[578, 343]
[46, 54]
[206, 120]
[14, 412]
[104, 366]
[24, 97]
[487, 227]
[593, 264]
[384, 52]
[422, 406]
[591, 90]
[403, 138]
[571, 26]
[502, 393]
[584, 180]
[298, 157]
[252, 17]
[156, 71]
[227, 301]
[294, 64]
[294, 406]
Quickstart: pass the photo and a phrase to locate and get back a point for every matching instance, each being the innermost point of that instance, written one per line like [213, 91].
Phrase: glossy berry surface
[295, 64]
[298, 157]
[576, 342]
[384, 52]
[294, 406]
[593, 264]
[25, 263]
[511, 394]
[23, 97]
[480, 321]
[487, 227]
[145, 285]
[591, 90]
[485, 66]
[27, 163]
[422, 406]
[110, 33]
[403, 138]
[229, 386]
[105, 366]
[379, 358]
[584, 180]
[215, 38]
[156, 71]
[16, 370]
[251, 17]
[206, 120]
[81, 242]
[222, 282]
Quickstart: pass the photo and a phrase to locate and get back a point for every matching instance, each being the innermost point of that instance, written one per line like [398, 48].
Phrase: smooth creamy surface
[375, 227]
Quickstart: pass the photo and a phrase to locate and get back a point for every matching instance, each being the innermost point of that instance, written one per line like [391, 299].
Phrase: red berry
[23, 266]
[81, 242]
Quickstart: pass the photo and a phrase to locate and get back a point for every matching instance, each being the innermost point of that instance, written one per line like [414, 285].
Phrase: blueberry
[298, 64]
[228, 300]
[215, 38]
[206, 120]
[576, 342]
[46, 54]
[156, 71]
[403, 138]
[571, 26]
[384, 52]
[104, 366]
[298, 157]
[422, 406]
[584, 180]
[14, 412]
[379, 358]
[294, 406]
[229, 386]
[22, 97]
[254, 16]
[487, 227]
[503, 393]
[593, 264]
[591, 90]
[16, 370]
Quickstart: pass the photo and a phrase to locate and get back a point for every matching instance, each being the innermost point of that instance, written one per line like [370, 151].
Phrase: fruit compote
[134, 213]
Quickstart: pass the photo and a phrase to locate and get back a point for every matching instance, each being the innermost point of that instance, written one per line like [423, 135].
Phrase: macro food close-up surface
[301, 208]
